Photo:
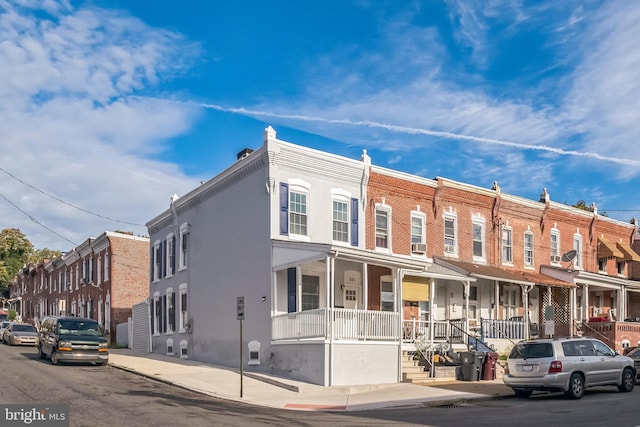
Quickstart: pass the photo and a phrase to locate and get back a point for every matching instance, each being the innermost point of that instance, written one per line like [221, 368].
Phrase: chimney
[244, 153]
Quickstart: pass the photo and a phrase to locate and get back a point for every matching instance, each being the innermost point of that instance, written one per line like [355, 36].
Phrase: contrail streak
[418, 131]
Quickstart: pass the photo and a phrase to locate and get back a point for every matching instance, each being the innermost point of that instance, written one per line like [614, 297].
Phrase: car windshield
[531, 351]
[635, 353]
[24, 328]
[79, 327]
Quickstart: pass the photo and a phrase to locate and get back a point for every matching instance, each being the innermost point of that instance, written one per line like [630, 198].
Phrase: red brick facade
[100, 279]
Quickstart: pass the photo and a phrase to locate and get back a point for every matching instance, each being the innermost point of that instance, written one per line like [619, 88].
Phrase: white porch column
[331, 262]
[466, 306]
[525, 306]
[397, 291]
[585, 303]
[621, 312]
[298, 289]
[573, 296]
[496, 298]
[365, 286]
[432, 309]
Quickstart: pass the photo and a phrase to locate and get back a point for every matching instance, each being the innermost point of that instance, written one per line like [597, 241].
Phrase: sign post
[240, 314]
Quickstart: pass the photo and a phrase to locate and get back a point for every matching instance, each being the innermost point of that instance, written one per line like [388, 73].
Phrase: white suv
[566, 364]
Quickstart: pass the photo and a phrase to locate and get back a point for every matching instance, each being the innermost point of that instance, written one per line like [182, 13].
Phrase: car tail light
[556, 366]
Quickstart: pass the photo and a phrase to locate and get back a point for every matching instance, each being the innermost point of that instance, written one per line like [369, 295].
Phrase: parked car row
[60, 339]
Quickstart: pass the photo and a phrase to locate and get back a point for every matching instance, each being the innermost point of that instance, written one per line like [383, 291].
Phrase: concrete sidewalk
[276, 392]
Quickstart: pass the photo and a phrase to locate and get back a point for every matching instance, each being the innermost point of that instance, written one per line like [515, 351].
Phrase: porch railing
[343, 322]
[502, 329]
[420, 330]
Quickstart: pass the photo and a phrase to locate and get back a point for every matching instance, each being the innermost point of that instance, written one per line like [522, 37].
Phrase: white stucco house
[283, 228]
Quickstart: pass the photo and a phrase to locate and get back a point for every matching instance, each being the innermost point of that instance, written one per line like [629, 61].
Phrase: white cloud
[77, 123]
[604, 100]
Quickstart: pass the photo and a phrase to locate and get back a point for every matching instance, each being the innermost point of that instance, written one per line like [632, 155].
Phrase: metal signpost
[240, 311]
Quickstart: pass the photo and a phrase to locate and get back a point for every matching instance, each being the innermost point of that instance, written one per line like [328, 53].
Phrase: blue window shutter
[284, 208]
[291, 290]
[354, 222]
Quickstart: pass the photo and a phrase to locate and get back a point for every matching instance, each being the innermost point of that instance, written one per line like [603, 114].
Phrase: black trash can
[471, 368]
[489, 366]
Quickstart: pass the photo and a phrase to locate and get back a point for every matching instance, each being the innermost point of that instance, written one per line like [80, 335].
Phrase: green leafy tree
[41, 254]
[15, 250]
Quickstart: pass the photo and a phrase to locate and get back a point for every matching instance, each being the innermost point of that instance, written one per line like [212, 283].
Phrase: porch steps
[413, 372]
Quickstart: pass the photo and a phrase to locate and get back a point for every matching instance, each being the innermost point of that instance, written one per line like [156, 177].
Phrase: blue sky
[107, 108]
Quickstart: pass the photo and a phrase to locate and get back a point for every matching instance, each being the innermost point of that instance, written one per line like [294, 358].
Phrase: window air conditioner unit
[450, 249]
[419, 248]
[555, 258]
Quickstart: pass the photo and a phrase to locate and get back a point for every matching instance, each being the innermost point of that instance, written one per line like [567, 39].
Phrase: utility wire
[67, 203]
[32, 218]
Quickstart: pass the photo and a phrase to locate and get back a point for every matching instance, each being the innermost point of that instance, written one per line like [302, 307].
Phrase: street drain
[453, 405]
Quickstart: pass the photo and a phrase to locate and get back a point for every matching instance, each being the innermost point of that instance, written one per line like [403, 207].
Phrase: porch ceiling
[503, 275]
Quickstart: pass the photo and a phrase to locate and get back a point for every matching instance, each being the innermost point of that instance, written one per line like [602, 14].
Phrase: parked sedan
[3, 326]
[20, 334]
[635, 355]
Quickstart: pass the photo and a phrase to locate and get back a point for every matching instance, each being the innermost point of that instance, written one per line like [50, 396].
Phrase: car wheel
[41, 354]
[54, 358]
[576, 387]
[522, 394]
[628, 381]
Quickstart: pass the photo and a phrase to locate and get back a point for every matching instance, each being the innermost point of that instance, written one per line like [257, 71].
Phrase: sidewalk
[276, 392]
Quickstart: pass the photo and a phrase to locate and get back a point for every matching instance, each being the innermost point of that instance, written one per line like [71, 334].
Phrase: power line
[32, 218]
[67, 203]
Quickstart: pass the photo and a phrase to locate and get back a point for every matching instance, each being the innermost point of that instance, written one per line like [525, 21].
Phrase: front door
[350, 296]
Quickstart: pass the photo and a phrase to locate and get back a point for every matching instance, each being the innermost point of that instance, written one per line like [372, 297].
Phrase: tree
[15, 250]
[42, 254]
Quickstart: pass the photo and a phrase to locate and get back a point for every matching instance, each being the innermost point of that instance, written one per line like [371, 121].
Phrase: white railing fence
[344, 323]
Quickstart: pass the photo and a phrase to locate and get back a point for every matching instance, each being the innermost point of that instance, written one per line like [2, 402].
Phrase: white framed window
[155, 313]
[383, 226]
[107, 312]
[528, 248]
[602, 265]
[99, 270]
[507, 245]
[157, 260]
[620, 265]
[577, 246]
[298, 211]
[418, 233]
[170, 311]
[450, 234]
[310, 292]
[106, 266]
[184, 314]
[555, 246]
[478, 225]
[184, 246]
[170, 255]
[387, 296]
[340, 215]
